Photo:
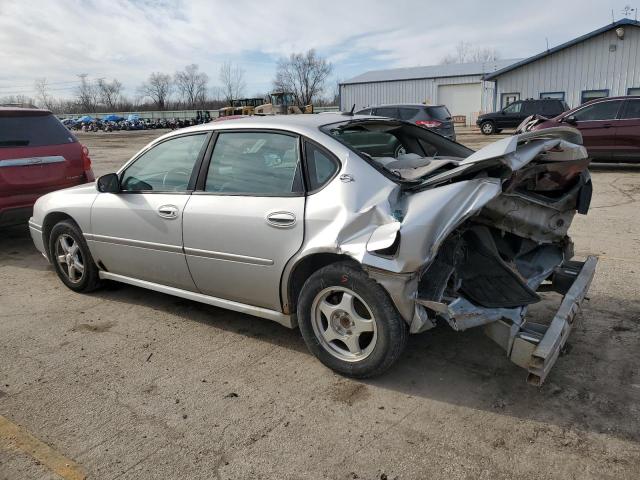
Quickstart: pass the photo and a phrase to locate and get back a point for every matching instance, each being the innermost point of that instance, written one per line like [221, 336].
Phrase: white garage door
[465, 99]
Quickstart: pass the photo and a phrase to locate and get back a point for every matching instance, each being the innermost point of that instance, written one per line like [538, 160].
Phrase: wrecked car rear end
[476, 241]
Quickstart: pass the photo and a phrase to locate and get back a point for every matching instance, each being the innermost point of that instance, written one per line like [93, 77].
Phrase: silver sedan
[359, 230]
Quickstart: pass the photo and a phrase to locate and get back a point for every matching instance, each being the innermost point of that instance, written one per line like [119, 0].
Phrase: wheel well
[49, 222]
[304, 269]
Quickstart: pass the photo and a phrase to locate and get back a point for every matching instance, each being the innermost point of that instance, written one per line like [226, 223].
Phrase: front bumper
[536, 347]
[36, 235]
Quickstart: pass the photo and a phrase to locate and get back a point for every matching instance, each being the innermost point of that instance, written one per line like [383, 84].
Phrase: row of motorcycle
[97, 125]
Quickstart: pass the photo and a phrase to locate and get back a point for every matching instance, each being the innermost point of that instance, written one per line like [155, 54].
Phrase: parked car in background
[37, 155]
[610, 127]
[318, 221]
[436, 118]
[513, 114]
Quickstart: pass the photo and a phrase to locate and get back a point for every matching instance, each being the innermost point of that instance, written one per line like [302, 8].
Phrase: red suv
[610, 127]
[37, 155]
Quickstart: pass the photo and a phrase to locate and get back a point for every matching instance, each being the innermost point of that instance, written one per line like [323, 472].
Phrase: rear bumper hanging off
[536, 347]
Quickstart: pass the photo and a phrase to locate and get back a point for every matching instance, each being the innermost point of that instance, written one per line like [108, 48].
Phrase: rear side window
[439, 113]
[405, 113]
[320, 165]
[255, 163]
[599, 111]
[33, 131]
[390, 112]
[551, 108]
[632, 110]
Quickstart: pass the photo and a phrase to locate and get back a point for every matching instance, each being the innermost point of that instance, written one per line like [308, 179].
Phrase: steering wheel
[178, 171]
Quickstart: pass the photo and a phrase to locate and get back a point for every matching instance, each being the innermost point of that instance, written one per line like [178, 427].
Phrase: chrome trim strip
[231, 257]
[133, 243]
[34, 226]
[281, 318]
[22, 162]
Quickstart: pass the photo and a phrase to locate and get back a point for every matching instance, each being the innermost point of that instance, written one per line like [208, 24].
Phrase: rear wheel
[349, 322]
[71, 257]
[488, 128]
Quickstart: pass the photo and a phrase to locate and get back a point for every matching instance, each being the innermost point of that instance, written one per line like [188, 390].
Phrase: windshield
[405, 151]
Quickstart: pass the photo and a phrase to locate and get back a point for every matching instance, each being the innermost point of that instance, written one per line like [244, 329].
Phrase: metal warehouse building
[459, 86]
[603, 63]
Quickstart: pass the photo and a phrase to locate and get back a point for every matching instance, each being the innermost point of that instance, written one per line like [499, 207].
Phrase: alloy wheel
[69, 258]
[343, 324]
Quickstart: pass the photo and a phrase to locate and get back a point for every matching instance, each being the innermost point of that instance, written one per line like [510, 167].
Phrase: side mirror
[571, 120]
[109, 183]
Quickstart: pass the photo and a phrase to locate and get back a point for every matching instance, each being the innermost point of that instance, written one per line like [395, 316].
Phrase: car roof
[23, 112]
[296, 123]
[403, 105]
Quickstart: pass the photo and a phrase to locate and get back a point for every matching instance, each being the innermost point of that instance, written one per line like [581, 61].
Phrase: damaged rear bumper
[536, 347]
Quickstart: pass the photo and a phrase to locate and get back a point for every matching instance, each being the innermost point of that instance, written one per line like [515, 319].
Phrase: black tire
[488, 128]
[392, 330]
[90, 279]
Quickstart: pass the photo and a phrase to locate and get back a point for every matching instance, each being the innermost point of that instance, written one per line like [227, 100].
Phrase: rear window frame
[401, 181]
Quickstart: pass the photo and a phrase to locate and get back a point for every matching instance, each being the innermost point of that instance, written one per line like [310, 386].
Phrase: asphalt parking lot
[128, 383]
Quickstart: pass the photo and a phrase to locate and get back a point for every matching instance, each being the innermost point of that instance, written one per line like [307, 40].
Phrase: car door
[597, 122]
[627, 133]
[246, 219]
[510, 116]
[138, 231]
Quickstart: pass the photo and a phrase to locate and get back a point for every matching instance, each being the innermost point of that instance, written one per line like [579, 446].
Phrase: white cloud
[58, 39]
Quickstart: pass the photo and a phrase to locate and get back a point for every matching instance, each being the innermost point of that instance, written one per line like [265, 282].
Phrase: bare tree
[87, 94]
[232, 79]
[303, 75]
[192, 85]
[465, 52]
[158, 88]
[42, 94]
[109, 92]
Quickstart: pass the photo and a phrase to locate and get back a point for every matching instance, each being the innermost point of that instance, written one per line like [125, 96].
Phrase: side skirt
[278, 317]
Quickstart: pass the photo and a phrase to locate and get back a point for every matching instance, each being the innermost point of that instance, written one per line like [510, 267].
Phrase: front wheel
[349, 322]
[488, 128]
[71, 257]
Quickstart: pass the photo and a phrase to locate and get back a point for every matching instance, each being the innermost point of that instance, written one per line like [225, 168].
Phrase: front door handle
[281, 219]
[168, 211]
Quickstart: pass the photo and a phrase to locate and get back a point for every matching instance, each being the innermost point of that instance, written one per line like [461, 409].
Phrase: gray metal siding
[407, 91]
[585, 66]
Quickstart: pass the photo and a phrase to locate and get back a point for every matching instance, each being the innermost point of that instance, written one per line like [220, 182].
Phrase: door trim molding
[163, 247]
[231, 257]
[278, 317]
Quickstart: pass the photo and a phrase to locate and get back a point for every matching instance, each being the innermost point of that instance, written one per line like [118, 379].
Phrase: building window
[554, 95]
[633, 91]
[508, 98]
[591, 94]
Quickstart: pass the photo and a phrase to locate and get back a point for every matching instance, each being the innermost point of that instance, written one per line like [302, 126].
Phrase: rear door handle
[168, 211]
[281, 219]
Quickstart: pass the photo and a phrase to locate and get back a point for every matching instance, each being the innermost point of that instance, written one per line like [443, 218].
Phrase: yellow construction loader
[282, 103]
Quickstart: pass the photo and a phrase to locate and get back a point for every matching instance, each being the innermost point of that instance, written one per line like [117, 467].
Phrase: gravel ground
[134, 384]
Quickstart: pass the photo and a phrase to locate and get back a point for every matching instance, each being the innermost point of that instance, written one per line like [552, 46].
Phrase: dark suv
[434, 117]
[513, 114]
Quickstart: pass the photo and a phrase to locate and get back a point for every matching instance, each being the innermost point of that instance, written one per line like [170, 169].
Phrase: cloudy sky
[128, 39]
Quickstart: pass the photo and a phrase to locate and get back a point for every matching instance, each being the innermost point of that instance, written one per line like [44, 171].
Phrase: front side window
[598, 111]
[632, 109]
[255, 163]
[166, 167]
[514, 108]
[320, 166]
